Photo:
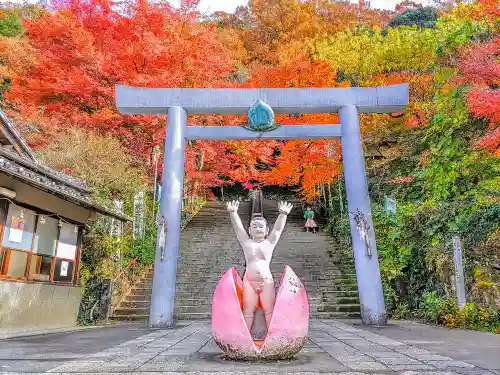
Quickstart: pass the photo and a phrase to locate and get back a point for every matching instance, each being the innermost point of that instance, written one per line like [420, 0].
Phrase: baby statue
[258, 281]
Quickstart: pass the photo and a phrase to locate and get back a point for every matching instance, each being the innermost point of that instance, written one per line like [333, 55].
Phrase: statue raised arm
[284, 209]
[241, 233]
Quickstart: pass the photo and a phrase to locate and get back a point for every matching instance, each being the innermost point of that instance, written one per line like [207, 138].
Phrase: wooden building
[42, 216]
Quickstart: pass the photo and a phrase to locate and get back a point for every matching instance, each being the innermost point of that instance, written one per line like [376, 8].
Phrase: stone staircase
[209, 247]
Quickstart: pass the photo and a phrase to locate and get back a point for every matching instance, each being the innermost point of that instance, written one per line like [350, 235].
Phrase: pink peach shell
[289, 325]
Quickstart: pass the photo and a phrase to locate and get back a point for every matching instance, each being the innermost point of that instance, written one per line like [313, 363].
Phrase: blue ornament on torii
[261, 118]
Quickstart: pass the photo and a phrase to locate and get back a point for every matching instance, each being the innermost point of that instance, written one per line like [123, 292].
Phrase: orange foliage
[84, 49]
[280, 29]
[488, 10]
[64, 75]
[301, 162]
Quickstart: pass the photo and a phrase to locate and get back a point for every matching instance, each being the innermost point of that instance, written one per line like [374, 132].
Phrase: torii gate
[178, 103]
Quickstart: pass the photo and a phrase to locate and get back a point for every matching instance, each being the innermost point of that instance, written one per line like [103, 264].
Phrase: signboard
[116, 225]
[459, 271]
[139, 215]
[16, 230]
[66, 247]
[390, 205]
[66, 251]
[158, 194]
[64, 268]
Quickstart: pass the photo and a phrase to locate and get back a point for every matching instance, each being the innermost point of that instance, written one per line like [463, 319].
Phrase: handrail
[131, 264]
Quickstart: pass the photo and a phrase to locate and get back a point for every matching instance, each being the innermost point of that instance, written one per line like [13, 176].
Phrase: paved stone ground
[478, 348]
[334, 347]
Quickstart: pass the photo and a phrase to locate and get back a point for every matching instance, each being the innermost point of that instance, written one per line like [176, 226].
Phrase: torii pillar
[348, 102]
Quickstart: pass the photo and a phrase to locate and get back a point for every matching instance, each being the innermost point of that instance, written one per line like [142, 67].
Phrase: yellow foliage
[17, 56]
[232, 39]
[364, 54]
[100, 160]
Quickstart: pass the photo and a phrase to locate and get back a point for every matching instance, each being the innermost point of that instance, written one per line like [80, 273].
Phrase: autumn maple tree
[302, 163]
[82, 50]
[60, 72]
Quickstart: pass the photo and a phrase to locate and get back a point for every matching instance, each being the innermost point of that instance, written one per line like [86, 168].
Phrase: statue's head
[258, 228]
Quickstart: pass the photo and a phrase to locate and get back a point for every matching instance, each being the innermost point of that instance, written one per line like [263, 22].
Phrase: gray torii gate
[178, 103]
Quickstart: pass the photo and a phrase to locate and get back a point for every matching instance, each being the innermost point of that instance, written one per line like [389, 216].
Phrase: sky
[210, 6]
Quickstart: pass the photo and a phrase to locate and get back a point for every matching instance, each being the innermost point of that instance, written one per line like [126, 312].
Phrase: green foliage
[144, 247]
[105, 256]
[445, 185]
[447, 146]
[431, 307]
[100, 261]
[394, 253]
[423, 17]
[10, 23]
[457, 30]
[402, 311]
[441, 310]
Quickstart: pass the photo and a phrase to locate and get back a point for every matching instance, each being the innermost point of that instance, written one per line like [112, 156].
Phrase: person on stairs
[310, 223]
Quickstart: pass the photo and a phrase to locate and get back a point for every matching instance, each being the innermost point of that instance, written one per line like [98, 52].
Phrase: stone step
[187, 305]
[308, 280]
[137, 290]
[138, 298]
[209, 248]
[338, 308]
[132, 311]
[135, 304]
[199, 316]
[189, 300]
[338, 300]
[203, 309]
[332, 294]
[133, 318]
[335, 315]
[212, 282]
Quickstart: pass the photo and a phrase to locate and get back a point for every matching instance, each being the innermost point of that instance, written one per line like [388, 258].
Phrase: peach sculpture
[235, 300]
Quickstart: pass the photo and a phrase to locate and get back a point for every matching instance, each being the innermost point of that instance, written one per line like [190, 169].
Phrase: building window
[19, 228]
[38, 247]
[45, 248]
[66, 253]
[17, 241]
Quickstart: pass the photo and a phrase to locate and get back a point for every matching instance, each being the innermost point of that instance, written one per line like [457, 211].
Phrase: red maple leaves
[481, 67]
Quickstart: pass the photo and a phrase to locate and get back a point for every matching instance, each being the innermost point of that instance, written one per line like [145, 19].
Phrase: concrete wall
[37, 306]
